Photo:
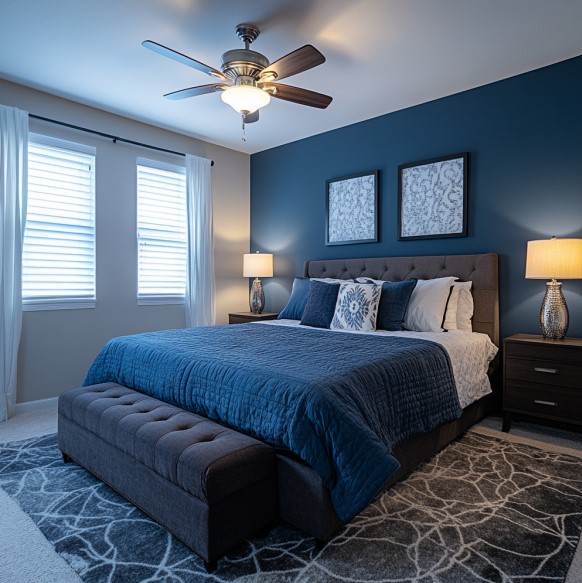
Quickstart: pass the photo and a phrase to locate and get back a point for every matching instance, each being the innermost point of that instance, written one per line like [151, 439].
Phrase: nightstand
[245, 317]
[542, 378]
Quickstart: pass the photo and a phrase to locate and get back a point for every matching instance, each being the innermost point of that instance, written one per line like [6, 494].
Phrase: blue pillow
[296, 304]
[320, 306]
[393, 303]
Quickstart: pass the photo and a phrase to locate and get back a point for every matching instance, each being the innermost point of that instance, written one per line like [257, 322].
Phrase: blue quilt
[339, 401]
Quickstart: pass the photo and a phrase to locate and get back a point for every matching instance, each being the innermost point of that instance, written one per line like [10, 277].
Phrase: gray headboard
[482, 270]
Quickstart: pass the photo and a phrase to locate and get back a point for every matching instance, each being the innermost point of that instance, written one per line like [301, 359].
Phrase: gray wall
[57, 347]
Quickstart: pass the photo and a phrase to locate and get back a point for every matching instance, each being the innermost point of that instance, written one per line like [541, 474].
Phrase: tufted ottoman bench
[207, 484]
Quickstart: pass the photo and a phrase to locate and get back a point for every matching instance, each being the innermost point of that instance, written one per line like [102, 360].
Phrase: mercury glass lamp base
[257, 297]
[554, 318]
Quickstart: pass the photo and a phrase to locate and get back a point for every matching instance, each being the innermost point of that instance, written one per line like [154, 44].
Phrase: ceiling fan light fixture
[245, 99]
[247, 78]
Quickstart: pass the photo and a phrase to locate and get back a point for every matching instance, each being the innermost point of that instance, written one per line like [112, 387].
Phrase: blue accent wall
[524, 136]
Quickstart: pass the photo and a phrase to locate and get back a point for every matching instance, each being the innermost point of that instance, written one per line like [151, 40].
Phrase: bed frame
[304, 501]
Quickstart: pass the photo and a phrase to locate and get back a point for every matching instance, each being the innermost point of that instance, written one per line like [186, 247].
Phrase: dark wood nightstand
[542, 378]
[245, 317]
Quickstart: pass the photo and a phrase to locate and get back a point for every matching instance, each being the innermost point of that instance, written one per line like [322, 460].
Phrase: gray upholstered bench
[207, 484]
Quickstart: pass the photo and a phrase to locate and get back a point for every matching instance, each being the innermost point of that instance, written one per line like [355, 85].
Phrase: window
[58, 259]
[162, 233]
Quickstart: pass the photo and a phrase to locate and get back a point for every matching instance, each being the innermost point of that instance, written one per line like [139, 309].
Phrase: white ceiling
[382, 55]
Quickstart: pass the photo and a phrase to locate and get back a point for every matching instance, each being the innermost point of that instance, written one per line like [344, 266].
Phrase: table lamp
[257, 265]
[554, 259]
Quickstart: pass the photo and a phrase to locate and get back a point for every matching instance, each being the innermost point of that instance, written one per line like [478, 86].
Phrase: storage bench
[207, 484]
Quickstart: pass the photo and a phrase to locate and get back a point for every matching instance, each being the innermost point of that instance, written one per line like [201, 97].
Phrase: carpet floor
[484, 510]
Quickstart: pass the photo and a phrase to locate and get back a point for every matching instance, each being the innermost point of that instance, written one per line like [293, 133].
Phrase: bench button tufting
[205, 496]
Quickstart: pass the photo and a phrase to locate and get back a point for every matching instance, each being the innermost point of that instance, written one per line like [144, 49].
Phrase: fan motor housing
[245, 62]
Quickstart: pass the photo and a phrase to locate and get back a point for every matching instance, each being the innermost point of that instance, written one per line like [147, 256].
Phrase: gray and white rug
[483, 510]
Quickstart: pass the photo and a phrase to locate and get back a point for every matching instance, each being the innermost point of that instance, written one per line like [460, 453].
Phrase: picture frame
[433, 198]
[351, 209]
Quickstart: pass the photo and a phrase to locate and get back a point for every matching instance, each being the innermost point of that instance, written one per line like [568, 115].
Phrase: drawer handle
[546, 370]
[549, 403]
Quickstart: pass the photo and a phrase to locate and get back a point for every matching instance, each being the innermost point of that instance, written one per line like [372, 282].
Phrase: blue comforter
[340, 401]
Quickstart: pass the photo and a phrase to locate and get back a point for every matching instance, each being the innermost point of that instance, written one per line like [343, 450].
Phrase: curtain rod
[108, 136]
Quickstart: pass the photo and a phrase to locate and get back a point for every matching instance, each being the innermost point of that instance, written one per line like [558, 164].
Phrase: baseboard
[29, 406]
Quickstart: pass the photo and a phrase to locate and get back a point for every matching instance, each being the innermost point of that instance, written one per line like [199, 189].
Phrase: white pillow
[328, 279]
[465, 306]
[369, 280]
[356, 307]
[428, 302]
[452, 314]
[450, 322]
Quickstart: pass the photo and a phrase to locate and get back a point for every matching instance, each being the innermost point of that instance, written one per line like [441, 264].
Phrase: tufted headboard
[482, 270]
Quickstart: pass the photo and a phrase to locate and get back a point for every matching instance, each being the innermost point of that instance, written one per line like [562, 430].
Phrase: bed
[317, 502]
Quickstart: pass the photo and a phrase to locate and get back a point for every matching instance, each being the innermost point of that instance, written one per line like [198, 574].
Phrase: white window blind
[162, 232]
[58, 261]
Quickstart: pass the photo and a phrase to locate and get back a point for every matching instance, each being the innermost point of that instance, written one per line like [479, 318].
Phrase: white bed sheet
[470, 354]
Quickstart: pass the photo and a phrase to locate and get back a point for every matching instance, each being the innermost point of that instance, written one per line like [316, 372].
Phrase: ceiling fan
[247, 79]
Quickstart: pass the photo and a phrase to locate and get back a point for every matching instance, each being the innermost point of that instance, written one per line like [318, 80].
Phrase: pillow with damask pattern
[356, 307]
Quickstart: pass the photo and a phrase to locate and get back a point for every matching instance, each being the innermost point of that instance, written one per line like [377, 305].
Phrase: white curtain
[13, 190]
[200, 289]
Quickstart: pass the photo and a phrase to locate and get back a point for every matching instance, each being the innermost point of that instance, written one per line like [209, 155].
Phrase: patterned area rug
[483, 510]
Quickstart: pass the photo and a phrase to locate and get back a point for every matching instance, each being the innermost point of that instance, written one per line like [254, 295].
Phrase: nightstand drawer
[565, 404]
[547, 372]
[544, 350]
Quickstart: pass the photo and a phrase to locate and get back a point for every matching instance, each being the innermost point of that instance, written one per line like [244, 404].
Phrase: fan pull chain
[244, 136]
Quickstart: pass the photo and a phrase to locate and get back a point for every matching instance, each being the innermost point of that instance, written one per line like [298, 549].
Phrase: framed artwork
[351, 209]
[432, 198]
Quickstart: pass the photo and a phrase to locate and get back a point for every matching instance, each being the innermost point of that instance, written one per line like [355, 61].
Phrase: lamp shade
[554, 259]
[258, 265]
[245, 98]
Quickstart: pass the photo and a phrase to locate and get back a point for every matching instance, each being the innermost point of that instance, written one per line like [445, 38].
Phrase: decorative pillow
[320, 305]
[465, 306]
[393, 303]
[356, 307]
[428, 302]
[296, 304]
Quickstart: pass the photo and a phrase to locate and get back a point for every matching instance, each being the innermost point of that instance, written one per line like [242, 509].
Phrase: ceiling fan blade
[298, 95]
[195, 91]
[180, 58]
[252, 117]
[298, 61]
